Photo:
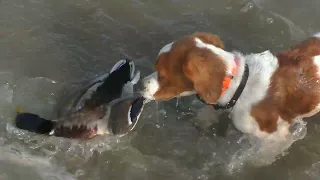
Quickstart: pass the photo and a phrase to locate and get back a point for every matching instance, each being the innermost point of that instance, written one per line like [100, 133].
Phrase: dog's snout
[146, 82]
[149, 79]
[150, 85]
[142, 84]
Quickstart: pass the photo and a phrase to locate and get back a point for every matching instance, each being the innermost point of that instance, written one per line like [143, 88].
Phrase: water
[49, 46]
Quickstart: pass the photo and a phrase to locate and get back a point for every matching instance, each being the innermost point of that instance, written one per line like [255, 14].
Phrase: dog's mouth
[119, 118]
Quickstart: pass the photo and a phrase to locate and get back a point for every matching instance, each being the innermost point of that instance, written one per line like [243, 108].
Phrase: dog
[265, 93]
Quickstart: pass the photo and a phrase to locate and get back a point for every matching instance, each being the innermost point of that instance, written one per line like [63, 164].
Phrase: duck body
[106, 105]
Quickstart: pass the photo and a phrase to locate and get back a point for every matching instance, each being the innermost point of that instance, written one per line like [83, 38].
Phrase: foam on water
[239, 150]
[314, 171]
[15, 156]
[263, 153]
[38, 95]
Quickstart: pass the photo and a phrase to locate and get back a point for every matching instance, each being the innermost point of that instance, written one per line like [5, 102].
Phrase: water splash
[54, 145]
[269, 20]
[314, 171]
[295, 31]
[39, 95]
[21, 158]
[264, 152]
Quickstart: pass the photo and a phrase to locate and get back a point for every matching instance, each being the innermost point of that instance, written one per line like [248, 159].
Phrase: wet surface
[46, 46]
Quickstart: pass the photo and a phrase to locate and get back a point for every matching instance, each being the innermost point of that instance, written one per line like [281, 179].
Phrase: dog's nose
[150, 85]
[145, 81]
[149, 79]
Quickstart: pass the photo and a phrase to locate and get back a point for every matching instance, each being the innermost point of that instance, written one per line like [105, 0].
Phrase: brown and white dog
[274, 90]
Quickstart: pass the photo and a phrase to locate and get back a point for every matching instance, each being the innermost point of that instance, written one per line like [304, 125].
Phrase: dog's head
[194, 64]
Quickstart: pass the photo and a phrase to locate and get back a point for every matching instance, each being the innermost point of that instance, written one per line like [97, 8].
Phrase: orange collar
[227, 80]
[226, 83]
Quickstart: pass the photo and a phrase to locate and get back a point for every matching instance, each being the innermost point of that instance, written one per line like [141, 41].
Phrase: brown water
[47, 45]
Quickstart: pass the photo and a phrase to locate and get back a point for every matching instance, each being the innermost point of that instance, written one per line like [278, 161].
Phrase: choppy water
[45, 46]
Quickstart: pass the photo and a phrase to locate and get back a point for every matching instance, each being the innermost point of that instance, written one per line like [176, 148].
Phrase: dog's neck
[235, 82]
[261, 67]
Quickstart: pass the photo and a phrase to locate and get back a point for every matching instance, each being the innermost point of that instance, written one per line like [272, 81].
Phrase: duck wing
[75, 99]
[118, 84]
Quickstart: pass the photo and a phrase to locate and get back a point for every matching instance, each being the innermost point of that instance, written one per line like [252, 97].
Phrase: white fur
[226, 97]
[165, 48]
[227, 57]
[316, 35]
[151, 85]
[316, 62]
[261, 68]
[281, 133]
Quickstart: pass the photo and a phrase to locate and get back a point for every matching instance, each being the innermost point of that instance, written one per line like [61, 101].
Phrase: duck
[106, 105]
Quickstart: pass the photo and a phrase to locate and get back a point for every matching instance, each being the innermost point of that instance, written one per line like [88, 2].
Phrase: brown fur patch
[206, 71]
[184, 56]
[294, 89]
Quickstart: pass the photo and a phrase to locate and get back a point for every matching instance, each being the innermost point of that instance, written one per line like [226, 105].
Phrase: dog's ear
[206, 71]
